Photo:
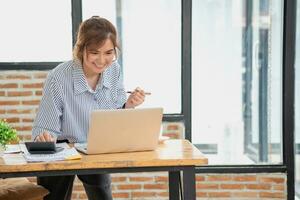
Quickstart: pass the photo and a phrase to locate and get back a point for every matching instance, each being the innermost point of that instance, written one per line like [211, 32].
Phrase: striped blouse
[68, 100]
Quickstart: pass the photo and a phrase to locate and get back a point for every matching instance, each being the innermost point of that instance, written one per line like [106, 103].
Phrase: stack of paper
[12, 148]
[67, 154]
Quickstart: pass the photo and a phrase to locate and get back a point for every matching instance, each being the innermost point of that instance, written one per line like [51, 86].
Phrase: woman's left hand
[136, 98]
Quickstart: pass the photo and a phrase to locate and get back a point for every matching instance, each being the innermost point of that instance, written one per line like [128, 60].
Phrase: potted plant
[7, 135]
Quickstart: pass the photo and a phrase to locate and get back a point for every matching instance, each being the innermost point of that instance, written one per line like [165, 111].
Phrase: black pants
[97, 186]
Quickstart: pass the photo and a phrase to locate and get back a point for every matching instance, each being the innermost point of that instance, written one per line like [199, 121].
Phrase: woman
[92, 80]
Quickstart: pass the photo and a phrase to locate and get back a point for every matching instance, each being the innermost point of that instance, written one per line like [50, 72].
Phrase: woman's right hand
[44, 137]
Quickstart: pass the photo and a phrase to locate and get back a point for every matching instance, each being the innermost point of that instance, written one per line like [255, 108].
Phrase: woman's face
[96, 60]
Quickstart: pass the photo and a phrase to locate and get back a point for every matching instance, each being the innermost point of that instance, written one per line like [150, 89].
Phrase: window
[236, 81]
[35, 31]
[151, 46]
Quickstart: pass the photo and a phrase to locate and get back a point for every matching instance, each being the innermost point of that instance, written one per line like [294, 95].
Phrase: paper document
[69, 153]
[12, 148]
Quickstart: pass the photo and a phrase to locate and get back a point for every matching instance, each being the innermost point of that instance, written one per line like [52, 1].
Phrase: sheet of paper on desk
[69, 153]
[12, 148]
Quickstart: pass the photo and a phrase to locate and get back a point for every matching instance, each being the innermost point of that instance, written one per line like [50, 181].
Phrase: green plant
[7, 134]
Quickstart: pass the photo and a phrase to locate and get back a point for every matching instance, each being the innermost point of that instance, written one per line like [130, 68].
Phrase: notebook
[123, 130]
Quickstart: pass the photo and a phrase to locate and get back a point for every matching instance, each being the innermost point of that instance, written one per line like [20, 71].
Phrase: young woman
[90, 81]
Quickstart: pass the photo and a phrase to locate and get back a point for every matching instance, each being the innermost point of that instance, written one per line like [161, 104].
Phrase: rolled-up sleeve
[49, 115]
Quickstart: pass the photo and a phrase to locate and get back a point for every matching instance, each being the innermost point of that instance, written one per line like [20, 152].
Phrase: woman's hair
[94, 32]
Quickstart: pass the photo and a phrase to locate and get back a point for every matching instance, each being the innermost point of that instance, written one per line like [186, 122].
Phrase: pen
[146, 93]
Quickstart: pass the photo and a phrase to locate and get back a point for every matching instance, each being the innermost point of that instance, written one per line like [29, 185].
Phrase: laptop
[123, 130]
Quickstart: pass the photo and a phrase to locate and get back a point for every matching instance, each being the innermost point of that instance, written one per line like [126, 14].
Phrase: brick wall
[154, 186]
[20, 94]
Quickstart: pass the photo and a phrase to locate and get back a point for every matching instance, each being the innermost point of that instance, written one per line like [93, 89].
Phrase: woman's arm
[47, 124]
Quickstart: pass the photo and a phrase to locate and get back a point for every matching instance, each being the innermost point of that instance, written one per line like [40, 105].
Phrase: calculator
[42, 147]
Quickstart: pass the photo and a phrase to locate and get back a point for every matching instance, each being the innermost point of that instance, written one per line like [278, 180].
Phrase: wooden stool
[20, 189]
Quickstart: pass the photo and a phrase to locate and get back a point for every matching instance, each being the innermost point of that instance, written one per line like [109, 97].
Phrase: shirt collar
[80, 82]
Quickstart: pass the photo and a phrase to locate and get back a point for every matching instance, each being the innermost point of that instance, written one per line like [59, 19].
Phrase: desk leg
[174, 178]
[189, 185]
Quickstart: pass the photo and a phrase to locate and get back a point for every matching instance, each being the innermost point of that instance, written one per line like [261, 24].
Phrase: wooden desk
[173, 156]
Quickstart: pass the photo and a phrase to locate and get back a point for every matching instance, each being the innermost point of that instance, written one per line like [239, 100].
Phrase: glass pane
[236, 80]
[35, 31]
[297, 106]
[102, 8]
[151, 46]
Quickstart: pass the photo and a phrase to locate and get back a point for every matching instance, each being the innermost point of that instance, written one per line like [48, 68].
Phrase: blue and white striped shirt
[68, 100]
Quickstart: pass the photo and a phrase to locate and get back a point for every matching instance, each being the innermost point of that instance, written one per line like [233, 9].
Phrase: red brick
[38, 93]
[22, 77]
[120, 195]
[2, 111]
[18, 93]
[140, 179]
[246, 178]
[172, 135]
[74, 196]
[161, 179]
[162, 194]
[9, 103]
[13, 120]
[200, 178]
[40, 75]
[206, 186]
[142, 194]
[219, 178]
[271, 195]
[232, 186]
[129, 187]
[271, 180]
[27, 120]
[2, 93]
[156, 186]
[172, 127]
[201, 194]
[31, 102]
[218, 194]
[23, 128]
[258, 186]
[78, 188]
[82, 196]
[33, 85]
[14, 111]
[9, 85]
[118, 179]
[278, 187]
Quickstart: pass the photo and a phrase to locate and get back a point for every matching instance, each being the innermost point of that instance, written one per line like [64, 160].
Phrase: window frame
[76, 6]
[288, 61]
